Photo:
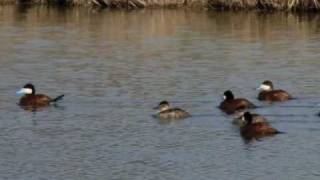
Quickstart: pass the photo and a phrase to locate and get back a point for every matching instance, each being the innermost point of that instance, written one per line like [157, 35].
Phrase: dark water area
[114, 66]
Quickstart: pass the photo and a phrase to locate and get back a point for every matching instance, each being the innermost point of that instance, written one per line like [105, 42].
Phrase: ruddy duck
[166, 112]
[267, 93]
[231, 105]
[253, 129]
[256, 118]
[33, 100]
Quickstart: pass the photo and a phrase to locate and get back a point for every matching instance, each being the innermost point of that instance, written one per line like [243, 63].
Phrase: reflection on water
[247, 26]
[114, 66]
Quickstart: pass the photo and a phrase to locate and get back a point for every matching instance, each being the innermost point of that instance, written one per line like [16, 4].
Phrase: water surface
[114, 66]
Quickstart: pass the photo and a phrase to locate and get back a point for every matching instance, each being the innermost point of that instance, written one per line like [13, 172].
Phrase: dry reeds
[211, 4]
[265, 4]
[55, 2]
[150, 3]
[115, 3]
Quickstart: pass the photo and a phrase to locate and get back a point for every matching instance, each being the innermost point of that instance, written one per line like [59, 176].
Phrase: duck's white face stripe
[24, 91]
[163, 108]
[264, 87]
[224, 97]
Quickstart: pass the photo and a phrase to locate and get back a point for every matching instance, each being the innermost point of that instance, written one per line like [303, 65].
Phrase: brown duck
[267, 93]
[31, 99]
[231, 105]
[256, 130]
[166, 112]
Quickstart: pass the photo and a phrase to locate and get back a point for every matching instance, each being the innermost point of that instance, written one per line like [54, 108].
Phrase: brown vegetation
[211, 4]
[265, 4]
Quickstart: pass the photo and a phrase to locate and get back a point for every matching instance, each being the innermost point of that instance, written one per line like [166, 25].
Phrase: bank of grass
[307, 5]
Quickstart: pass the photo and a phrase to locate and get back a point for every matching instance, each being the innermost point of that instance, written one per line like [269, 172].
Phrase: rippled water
[114, 66]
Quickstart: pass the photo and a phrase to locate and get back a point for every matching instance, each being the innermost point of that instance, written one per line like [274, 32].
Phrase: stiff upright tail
[57, 98]
[280, 132]
[253, 106]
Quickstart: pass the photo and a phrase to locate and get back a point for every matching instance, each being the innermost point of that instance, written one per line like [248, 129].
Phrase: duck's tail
[252, 106]
[57, 98]
[280, 132]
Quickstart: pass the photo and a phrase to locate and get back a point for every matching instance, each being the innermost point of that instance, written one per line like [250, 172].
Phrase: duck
[253, 129]
[256, 118]
[165, 112]
[267, 93]
[230, 105]
[33, 100]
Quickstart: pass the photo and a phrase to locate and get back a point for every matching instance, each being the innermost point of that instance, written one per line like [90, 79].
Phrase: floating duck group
[251, 125]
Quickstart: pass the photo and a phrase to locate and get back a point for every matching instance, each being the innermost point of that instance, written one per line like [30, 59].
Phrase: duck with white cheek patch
[253, 129]
[267, 93]
[31, 99]
[231, 105]
[240, 119]
[165, 112]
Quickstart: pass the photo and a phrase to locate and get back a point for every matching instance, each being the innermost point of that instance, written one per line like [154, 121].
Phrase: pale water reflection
[114, 66]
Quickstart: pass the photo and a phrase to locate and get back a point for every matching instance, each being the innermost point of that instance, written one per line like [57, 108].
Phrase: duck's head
[228, 95]
[247, 117]
[163, 105]
[27, 89]
[266, 86]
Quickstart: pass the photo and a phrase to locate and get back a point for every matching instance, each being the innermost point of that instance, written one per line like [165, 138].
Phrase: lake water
[114, 66]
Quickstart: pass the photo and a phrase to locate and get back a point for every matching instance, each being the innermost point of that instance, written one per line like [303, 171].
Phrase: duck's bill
[155, 108]
[24, 91]
[259, 88]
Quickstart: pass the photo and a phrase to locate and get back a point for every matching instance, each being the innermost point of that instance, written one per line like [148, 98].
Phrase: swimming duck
[31, 99]
[231, 105]
[256, 118]
[164, 111]
[253, 129]
[267, 93]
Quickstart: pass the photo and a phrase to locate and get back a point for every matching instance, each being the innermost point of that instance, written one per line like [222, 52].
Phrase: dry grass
[150, 3]
[265, 4]
[67, 2]
[211, 4]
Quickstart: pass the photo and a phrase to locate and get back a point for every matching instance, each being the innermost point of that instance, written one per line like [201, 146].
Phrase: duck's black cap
[229, 95]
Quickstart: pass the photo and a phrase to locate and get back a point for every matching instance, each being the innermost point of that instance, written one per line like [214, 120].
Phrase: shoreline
[265, 5]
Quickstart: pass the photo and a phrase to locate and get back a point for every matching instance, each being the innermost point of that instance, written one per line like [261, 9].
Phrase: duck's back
[257, 130]
[231, 106]
[274, 95]
[174, 113]
[259, 119]
[38, 100]
[256, 118]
